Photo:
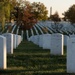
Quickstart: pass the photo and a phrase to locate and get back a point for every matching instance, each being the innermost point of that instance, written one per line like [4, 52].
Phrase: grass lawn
[30, 59]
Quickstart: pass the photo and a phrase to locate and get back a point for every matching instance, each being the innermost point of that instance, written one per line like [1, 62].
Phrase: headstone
[41, 40]
[57, 44]
[36, 30]
[18, 40]
[9, 42]
[35, 39]
[46, 41]
[17, 30]
[3, 56]
[13, 28]
[14, 41]
[72, 36]
[49, 30]
[31, 38]
[39, 29]
[22, 32]
[71, 55]
[32, 32]
[44, 28]
[65, 40]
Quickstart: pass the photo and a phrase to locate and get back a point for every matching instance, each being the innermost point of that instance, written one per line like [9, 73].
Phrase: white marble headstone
[72, 36]
[18, 40]
[3, 53]
[36, 39]
[36, 30]
[32, 32]
[14, 41]
[32, 38]
[65, 39]
[9, 42]
[41, 40]
[71, 55]
[46, 41]
[22, 32]
[57, 44]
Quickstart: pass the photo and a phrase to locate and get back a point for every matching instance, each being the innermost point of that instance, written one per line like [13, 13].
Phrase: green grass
[24, 35]
[30, 59]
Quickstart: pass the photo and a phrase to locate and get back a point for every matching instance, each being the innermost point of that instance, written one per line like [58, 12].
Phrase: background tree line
[26, 14]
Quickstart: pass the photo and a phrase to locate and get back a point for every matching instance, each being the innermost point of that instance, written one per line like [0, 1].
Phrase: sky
[57, 5]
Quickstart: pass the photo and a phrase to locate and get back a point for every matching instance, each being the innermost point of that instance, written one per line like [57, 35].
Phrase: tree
[39, 10]
[56, 20]
[28, 18]
[32, 12]
[26, 14]
[55, 17]
[70, 14]
[23, 15]
[4, 11]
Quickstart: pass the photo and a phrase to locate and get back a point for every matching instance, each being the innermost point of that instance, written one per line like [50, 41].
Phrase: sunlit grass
[30, 59]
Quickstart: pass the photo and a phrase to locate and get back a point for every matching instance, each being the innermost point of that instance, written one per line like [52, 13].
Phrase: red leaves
[28, 18]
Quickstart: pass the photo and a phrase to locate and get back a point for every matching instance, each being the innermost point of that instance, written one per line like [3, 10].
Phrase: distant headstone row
[54, 42]
[42, 27]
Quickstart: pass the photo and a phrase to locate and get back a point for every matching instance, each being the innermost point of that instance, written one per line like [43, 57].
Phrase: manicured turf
[30, 59]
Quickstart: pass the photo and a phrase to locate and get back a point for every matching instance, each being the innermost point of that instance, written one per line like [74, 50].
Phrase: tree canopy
[4, 11]
[70, 14]
[31, 13]
[39, 10]
[55, 17]
[22, 11]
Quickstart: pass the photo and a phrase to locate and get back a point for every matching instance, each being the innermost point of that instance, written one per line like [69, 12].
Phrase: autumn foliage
[28, 15]
[28, 18]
